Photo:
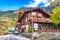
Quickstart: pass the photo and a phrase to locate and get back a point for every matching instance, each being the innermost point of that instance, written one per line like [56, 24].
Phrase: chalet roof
[24, 9]
[27, 9]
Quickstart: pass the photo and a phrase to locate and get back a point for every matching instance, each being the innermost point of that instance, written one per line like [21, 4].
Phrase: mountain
[48, 8]
[27, 8]
[10, 13]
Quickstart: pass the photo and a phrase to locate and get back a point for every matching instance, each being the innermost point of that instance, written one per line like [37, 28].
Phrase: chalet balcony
[40, 19]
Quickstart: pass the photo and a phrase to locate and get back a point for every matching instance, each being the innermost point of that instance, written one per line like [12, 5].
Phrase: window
[33, 13]
[40, 14]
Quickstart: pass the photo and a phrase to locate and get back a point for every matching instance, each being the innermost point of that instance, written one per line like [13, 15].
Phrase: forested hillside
[8, 21]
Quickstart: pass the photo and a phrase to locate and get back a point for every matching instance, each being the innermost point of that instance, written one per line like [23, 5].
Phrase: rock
[13, 37]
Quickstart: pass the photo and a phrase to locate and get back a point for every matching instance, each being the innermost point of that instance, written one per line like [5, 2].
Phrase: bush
[31, 29]
[2, 32]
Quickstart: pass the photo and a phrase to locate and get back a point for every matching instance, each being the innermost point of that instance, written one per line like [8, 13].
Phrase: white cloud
[52, 0]
[47, 4]
[36, 3]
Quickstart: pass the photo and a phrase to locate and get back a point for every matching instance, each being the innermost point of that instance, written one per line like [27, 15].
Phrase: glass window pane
[33, 13]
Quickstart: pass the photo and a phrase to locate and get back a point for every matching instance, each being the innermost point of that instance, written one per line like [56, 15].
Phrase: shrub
[31, 29]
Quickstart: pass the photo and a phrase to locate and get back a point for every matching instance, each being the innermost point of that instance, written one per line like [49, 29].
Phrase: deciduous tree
[55, 17]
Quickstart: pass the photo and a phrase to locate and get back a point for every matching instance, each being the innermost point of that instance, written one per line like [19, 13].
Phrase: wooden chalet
[37, 18]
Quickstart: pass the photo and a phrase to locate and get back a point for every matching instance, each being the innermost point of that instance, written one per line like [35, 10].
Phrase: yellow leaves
[56, 10]
[12, 22]
[14, 19]
[2, 32]
[55, 17]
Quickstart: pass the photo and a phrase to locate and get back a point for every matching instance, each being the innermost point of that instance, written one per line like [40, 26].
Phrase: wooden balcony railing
[41, 19]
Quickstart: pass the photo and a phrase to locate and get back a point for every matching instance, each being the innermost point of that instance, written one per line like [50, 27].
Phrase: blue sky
[6, 5]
